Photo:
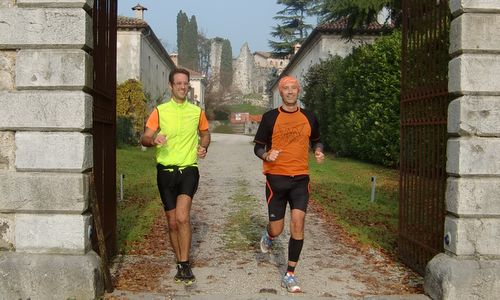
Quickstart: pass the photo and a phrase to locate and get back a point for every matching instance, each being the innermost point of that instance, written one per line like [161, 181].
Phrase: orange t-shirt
[292, 134]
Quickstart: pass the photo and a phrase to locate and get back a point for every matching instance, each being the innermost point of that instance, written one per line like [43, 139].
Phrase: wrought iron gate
[424, 105]
[104, 115]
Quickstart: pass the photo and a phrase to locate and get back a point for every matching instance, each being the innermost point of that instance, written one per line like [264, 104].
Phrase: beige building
[198, 87]
[324, 41]
[141, 56]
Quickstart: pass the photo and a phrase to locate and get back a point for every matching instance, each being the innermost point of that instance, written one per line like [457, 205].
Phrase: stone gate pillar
[46, 150]
[470, 266]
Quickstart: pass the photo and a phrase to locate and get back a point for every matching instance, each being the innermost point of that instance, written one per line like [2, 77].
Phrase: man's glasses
[181, 84]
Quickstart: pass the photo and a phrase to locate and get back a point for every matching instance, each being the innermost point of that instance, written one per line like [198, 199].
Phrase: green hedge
[356, 100]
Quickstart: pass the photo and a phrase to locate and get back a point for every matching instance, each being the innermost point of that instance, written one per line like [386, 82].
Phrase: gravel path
[232, 190]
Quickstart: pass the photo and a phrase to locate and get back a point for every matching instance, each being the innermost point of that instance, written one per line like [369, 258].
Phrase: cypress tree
[226, 68]
[182, 21]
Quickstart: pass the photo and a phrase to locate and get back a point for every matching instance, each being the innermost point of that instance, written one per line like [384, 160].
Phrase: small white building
[141, 56]
[198, 86]
[323, 42]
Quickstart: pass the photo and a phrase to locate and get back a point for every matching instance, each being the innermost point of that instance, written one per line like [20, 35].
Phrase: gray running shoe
[290, 283]
[265, 243]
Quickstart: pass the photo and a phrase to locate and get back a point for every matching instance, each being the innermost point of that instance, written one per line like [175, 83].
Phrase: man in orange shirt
[179, 131]
[282, 142]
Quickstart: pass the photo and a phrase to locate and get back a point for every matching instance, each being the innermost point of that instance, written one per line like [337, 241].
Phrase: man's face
[180, 86]
[289, 93]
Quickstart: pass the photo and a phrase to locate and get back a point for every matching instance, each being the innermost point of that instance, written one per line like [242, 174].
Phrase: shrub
[131, 103]
[357, 101]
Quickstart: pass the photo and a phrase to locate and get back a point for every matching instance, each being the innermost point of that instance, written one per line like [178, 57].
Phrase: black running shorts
[281, 190]
[173, 182]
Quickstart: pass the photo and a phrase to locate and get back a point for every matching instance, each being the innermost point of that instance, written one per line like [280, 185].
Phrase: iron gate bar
[104, 115]
[424, 103]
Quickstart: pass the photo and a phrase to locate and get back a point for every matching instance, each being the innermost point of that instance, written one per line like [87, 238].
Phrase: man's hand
[160, 140]
[272, 155]
[319, 155]
[202, 152]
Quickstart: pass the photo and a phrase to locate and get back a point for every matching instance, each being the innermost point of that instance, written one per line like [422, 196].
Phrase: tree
[187, 41]
[204, 46]
[182, 21]
[359, 13]
[292, 28]
[226, 67]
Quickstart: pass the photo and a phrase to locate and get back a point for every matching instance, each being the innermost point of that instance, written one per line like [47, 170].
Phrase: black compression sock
[183, 263]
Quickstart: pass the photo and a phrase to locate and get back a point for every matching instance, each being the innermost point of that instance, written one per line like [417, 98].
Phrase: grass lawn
[141, 202]
[246, 107]
[224, 127]
[343, 187]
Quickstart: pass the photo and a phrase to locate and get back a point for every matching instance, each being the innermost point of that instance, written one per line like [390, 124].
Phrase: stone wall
[46, 150]
[470, 266]
[249, 77]
[215, 64]
[243, 69]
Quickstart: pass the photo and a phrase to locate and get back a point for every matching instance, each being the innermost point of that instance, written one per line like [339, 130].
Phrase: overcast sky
[239, 21]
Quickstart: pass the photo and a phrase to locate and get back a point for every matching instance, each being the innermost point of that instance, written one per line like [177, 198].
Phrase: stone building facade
[248, 77]
[470, 266]
[46, 73]
[141, 56]
[215, 64]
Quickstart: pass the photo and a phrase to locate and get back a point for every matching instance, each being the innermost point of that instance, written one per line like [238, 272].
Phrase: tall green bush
[358, 98]
[131, 103]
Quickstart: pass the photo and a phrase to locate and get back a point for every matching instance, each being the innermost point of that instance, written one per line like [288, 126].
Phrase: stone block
[86, 4]
[53, 233]
[473, 196]
[474, 73]
[472, 236]
[53, 151]
[44, 276]
[7, 70]
[46, 110]
[45, 28]
[7, 230]
[455, 278]
[7, 150]
[475, 32]
[53, 69]
[43, 192]
[475, 115]
[473, 156]
[7, 3]
[467, 6]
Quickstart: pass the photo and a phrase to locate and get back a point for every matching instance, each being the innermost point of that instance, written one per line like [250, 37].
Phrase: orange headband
[285, 80]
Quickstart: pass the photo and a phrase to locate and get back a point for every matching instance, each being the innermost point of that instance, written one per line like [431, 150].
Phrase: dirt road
[229, 214]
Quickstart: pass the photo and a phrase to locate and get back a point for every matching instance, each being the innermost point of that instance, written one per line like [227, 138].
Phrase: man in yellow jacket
[179, 131]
